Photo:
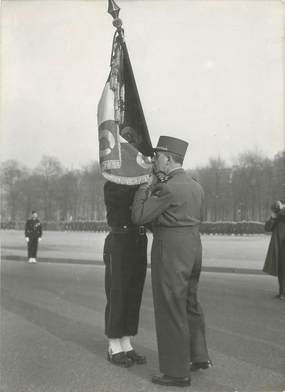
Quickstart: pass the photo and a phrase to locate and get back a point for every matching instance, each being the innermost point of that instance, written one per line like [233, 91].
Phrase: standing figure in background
[33, 234]
[174, 206]
[275, 258]
[125, 258]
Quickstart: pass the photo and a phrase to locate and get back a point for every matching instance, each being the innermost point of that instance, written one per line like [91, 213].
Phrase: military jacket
[118, 200]
[33, 228]
[176, 203]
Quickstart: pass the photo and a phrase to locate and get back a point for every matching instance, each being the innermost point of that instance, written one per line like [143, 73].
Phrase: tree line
[241, 191]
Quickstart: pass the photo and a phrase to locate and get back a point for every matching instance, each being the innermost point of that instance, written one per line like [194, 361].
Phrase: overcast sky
[210, 72]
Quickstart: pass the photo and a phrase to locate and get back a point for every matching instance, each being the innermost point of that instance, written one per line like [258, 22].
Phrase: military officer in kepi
[175, 209]
[125, 258]
[33, 234]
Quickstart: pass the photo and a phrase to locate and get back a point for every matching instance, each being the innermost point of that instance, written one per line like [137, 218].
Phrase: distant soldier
[275, 257]
[33, 234]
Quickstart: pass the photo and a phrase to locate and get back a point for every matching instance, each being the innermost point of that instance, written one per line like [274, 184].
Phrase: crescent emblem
[107, 142]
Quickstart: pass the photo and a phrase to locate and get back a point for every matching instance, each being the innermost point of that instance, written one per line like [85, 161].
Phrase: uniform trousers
[180, 327]
[32, 247]
[125, 258]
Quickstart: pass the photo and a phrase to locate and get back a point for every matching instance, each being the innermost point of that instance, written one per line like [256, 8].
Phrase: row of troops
[171, 206]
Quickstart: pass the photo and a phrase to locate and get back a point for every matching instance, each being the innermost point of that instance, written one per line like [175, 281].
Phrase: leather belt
[140, 230]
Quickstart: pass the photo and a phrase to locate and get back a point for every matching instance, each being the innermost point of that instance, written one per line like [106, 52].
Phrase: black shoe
[280, 296]
[200, 365]
[171, 381]
[119, 359]
[135, 357]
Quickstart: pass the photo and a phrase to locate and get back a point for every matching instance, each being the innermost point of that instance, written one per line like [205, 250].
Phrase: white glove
[40, 238]
[27, 239]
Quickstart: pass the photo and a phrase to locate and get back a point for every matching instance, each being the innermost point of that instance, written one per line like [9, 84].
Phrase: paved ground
[52, 336]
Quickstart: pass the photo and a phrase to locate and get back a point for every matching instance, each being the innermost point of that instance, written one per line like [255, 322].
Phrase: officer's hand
[40, 238]
[27, 239]
[154, 179]
[151, 179]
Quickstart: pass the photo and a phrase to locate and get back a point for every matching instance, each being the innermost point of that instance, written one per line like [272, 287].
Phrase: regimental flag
[125, 146]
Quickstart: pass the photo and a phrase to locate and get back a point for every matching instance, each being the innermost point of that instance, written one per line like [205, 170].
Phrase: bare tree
[279, 175]
[69, 195]
[93, 186]
[12, 175]
[49, 170]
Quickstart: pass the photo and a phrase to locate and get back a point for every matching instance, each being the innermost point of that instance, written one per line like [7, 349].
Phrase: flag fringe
[126, 180]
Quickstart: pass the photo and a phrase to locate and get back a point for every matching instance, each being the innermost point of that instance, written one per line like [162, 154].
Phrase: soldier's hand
[27, 239]
[40, 238]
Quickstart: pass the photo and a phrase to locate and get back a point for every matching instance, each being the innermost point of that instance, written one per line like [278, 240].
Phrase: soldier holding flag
[124, 147]
[125, 261]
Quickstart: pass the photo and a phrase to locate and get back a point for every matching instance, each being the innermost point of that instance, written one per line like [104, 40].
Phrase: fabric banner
[124, 142]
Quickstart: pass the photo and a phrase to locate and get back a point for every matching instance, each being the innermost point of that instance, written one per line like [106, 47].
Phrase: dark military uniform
[33, 231]
[175, 210]
[125, 258]
[275, 257]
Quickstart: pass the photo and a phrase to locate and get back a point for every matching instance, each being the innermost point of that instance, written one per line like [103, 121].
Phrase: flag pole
[114, 10]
